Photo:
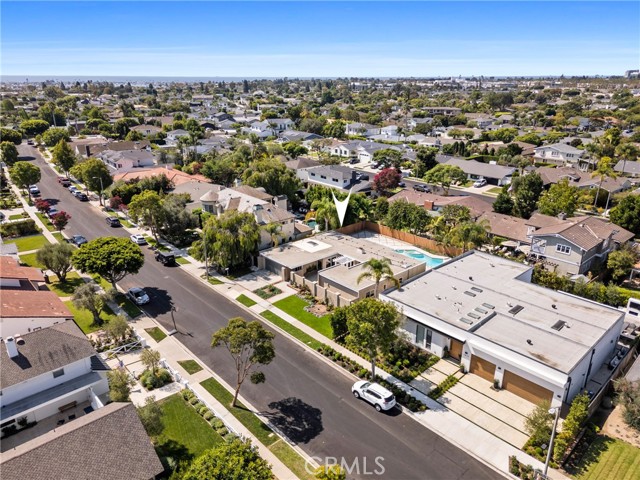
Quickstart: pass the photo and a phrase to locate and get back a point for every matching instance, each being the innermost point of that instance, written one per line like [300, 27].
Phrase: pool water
[428, 259]
[312, 224]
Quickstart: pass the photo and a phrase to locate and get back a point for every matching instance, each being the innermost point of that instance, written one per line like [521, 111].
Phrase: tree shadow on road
[161, 302]
[299, 421]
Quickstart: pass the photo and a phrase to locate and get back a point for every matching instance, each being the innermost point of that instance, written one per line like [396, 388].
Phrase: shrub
[150, 381]
[228, 437]
[202, 410]
[10, 430]
[222, 431]
[193, 400]
[208, 415]
[22, 421]
[217, 423]
[187, 394]
[19, 229]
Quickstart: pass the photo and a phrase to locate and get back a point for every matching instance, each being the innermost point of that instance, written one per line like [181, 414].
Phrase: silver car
[138, 296]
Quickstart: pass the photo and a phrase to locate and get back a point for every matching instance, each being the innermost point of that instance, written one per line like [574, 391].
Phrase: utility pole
[206, 260]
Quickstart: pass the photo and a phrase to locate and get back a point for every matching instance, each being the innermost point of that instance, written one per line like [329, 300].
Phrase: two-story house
[363, 129]
[558, 153]
[335, 176]
[174, 135]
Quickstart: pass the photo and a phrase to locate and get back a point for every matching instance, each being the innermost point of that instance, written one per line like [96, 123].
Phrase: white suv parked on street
[375, 394]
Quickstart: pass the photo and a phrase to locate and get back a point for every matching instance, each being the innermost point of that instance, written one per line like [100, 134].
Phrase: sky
[319, 39]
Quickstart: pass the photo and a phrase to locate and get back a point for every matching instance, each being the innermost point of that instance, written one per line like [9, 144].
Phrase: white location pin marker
[341, 206]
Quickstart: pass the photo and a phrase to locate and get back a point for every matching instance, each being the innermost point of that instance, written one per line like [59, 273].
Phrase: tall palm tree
[469, 235]
[326, 211]
[378, 269]
[604, 170]
[274, 230]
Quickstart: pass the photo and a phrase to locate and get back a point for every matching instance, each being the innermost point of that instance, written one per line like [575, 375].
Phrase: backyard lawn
[32, 242]
[84, 319]
[186, 434]
[295, 305]
[609, 458]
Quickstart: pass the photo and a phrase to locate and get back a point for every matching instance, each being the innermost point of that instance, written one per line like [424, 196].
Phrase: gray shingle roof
[44, 351]
[108, 443]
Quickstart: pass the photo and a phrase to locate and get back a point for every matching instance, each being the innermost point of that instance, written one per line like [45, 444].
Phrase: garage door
[525, 388]
[456, 349]
[483, 368]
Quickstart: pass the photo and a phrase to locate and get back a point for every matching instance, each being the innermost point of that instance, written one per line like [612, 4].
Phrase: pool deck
[395, 244]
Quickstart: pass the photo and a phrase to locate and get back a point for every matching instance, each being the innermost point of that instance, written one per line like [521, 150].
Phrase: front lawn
[495, 190]
[609, 458]
[191, 366]
[84, 319]
[30, 260]
[66, 289]
[295, 331]
[295, 305]
[182, 261]
[46, 222]
[106, 286]
[185, 435]
[127, 305]
[155, 333]
[17, 216]
[32, 242]
[246, 301]
[213, 280]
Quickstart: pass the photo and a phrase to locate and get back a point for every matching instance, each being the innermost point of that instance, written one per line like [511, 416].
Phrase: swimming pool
[428, 259]
[312, 224]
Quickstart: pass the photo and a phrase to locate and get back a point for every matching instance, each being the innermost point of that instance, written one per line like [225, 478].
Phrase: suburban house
[49, 371]
[335, 176]
[264, 207]
[558, 153]
[281, 124]
[174, 135]
[362, 129]
[447, 111]
[146, 130]
[627, 167]
[483, 310]
[24, 306]
[577, 244]
[295, 136]
[492, 173]
[330, 264]
[435, 203]
[579, 179]
[108, 443]
[94, 146]
[123, 160]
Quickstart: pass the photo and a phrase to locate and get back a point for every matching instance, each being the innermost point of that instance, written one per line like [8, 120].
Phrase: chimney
[257, 212]
[87, 151]
[12, 348]
[428, 205]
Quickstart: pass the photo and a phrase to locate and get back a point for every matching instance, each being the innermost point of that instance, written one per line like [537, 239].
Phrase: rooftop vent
[474, 315]
[558, 325]
[529, 342]
[516, 309]
[476, 289]
[12, 348]
[470, 278]
[489, 306]
[466, 320]
[471, 294]
[481, 310]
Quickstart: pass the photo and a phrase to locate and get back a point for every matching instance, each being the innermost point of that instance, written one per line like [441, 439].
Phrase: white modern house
[484, 311]
[558, 153]
[363, 129]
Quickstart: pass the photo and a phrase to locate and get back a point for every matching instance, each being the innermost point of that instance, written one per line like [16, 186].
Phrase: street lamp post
[173, 319]
[101, 188]
[555, 410]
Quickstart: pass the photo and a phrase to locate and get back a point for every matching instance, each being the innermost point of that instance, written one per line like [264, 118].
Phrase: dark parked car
[418, 187]
[78, 240]
[166, 258]
[82, 197]
[113, 222]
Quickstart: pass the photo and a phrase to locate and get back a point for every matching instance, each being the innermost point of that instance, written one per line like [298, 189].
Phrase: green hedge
[19, 229]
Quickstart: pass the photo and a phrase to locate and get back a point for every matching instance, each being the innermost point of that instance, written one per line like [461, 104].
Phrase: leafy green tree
[88, 298]
[603, 170]
[31, 128]
[57, 258]
[380, 209]
[504, 203]
[335, 129]
[578, 414]
[377, 269]
[119, 385]
[339, 323]
[620, 262]
[531, 138]
[8, 153]
[7, 105]
[113, 258]
[231, 239]
[538, 423]
[330, 472]
[326, 213]
[445, 176]
[63, 156]
[236, 460]
[24, 174]
[222, 170]
[249, 345]
[146, 208]
[294, 149]
[9, 135]
[627, 214]
[629, 398]
[468, 235]
[425, 161]
[406, 216]
[274, 230]
[53, 136]
[117, 328]
[386, 180]
[527, 190]
[150, 359]
[388, 158]
[274, 177]
[560, 198]
[90, 172]
[150, 415]
[177, 220]
[372, 328]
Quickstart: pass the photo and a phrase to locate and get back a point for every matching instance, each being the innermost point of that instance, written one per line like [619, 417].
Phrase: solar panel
[558, 325]
[516, 309]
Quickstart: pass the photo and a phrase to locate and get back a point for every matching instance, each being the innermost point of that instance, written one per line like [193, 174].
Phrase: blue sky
[319, 39]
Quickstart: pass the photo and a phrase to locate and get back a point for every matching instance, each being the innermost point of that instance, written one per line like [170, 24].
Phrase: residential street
[328, 421]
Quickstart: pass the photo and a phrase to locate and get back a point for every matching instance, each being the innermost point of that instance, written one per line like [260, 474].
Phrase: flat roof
[483, 294]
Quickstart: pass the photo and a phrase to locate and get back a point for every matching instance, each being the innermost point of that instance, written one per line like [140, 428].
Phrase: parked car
[480, 183]
[82, 196]
[138, 239]
[419, 187]
[138, 296]
[375, 394]
[29, 142]
[353, 161]
[52, 211]
[34, 190]
[166, 258]
[64, 181]
[73, 189]
[113, 222]
[78, 240]
[402, 184]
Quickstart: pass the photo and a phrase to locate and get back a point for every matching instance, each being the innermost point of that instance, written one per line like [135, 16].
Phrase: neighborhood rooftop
[492, 297]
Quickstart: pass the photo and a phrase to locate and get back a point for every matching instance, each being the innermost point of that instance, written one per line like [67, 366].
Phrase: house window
[427, 342]
[58, 373]
[334, 180]
[420, 334]
[563, 249]
[554, 153]
[324, 177]
[313, 174]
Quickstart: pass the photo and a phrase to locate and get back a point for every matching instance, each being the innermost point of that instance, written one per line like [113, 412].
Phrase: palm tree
[469, 235]
[378, 270]
[274, 230]
[326, 210]
[604, 170]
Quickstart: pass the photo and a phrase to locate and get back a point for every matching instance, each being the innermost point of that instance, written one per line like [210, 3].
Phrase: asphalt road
[308, 399]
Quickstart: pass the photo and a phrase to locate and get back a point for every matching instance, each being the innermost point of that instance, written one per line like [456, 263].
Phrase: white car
[73, 189]
[375, 394]
[138, 296]
[138, 239]
[480, 183]
[34, 190]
